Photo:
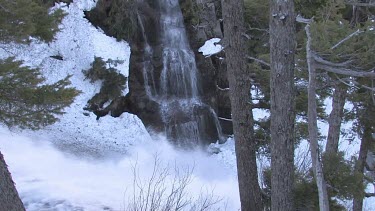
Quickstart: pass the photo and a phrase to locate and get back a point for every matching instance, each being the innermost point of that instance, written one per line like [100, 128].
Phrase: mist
[50, 179]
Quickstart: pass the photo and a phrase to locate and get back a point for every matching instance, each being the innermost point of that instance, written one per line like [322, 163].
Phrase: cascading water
[186, 118]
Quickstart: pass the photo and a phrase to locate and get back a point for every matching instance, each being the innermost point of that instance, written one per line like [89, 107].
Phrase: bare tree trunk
[313, 128]
[282, 48]
[9, 198]
[360, 165]
[243, 123]
[335, 118]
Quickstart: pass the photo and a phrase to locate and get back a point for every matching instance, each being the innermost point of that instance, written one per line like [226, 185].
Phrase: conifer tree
[22, 19]
[25, 100]
[333, 23]
[26, 103]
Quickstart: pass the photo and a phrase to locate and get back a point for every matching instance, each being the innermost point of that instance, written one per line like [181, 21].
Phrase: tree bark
[243, 123]
[282, 48]
[335, 118]
[360, 165]
[313, 128]
[9, 198]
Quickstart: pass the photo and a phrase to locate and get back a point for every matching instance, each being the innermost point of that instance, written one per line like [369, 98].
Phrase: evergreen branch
[261, 104]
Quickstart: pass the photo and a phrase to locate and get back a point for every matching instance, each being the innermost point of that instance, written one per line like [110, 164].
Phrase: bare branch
[345, 71]
[347, 38]
[5, 9]
[258, 60]
[301, 19]
[362, 86]
[222, 89]
[258, 29]
[325, 62]
[248, 37]
[225, 119]
[359, 4]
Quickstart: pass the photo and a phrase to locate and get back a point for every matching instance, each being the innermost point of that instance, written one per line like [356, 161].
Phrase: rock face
[173, 87]
[147, 109]
[203, 21]
[165, 75]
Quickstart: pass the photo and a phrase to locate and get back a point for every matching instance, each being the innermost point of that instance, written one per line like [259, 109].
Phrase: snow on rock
[78, 43]
[211, 47]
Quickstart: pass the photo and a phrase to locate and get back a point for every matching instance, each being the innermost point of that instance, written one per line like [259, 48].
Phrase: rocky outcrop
[203, 22]
[107, 15]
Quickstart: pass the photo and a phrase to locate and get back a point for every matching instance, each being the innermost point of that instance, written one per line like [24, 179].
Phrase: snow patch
[211, 47]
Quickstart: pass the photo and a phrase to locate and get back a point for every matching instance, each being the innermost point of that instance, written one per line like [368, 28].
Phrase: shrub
[167, 190]
[113, 83]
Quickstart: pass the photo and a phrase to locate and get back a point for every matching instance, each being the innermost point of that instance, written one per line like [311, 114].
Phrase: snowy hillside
[78, 43]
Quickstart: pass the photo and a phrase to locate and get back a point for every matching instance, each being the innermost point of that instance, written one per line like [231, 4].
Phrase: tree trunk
[282, 47]
[243, 123]
[9, 198]
[335, 118]
[360, 165]
[313, 128]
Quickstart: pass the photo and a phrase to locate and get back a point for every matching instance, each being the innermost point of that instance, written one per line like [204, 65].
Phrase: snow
[78, 43]
[50, 179]
[211, 47]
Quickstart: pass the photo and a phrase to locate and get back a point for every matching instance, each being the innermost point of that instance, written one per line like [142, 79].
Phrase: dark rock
[212, 70]
[58, 57]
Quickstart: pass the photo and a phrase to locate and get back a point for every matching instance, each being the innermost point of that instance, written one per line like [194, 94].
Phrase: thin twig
[258, 60]
[347, 38]
[222, 89]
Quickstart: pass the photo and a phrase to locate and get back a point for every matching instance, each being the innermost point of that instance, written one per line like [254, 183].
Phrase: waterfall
[187, 120]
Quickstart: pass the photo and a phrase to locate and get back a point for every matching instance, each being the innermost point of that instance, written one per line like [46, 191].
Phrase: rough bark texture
[9, 198]
[360, 165]
[313, 128]
[242, 116]
[335, 118]
[282, 44]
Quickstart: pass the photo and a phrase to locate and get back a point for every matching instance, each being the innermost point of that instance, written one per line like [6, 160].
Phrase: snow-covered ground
[78, 43]
[49, 179]
[80, 163]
